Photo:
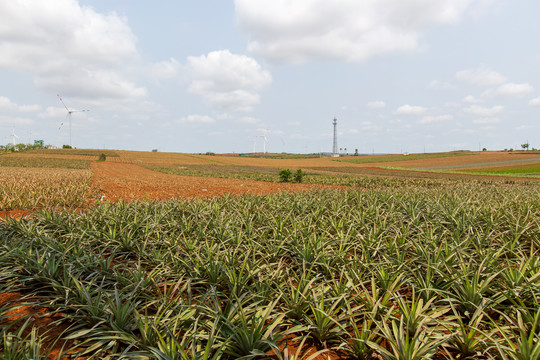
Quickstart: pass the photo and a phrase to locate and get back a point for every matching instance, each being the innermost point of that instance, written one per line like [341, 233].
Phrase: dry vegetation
[33, 188]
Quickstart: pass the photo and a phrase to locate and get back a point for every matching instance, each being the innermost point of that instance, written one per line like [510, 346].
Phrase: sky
[400, 76]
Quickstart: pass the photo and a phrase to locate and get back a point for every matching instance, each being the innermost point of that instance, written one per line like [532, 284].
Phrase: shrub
[285, 175]
[102, 157]
[298, 176]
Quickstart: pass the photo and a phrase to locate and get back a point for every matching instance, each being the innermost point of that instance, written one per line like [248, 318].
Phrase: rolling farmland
[212, 257]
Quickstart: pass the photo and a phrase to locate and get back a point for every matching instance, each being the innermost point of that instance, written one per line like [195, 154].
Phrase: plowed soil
[114, 181]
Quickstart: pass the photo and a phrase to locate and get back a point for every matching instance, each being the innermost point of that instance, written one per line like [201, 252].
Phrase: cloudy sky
[217, 75]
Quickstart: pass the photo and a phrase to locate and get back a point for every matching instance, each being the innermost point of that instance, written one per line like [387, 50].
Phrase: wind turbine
[265, 143]
[254, 141]
[13, 137]
[265, 139]
[69, 116]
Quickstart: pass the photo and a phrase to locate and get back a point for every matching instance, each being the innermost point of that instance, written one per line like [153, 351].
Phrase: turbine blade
[62, 102]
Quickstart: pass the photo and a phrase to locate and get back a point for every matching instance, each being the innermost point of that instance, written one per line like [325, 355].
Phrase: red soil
[123, 181]
[17, 214]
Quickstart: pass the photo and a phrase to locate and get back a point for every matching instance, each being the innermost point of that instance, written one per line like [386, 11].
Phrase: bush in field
[285, 175]
[298, 176]
[102, 157]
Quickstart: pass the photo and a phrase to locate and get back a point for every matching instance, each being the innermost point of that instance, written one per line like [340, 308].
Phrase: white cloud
[29, 108]
[101, 85]
[487, 121]
[227, 81]
[15, 121]
[410, 110]
[6, 105]
[483, 111]
[435, 119]
[350, 30]
[512, 89]
[197, 119]
[472, 100]
[68, 48]
[481, 76]
[52, 112]
[376, 104]
[535, 102]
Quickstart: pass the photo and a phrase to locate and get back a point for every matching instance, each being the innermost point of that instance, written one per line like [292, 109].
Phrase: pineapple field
[356, 262]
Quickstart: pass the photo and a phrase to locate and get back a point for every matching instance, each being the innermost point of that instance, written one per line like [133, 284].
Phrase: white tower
[335, 148]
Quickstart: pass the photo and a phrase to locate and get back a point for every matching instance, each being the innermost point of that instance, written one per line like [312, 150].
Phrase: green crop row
[404, 273]
[350, 177]
[532, 170]
[225, 172]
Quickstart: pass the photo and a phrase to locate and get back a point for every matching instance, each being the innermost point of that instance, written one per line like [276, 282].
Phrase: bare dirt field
[124, 181]
[480, 159]
[466, 160]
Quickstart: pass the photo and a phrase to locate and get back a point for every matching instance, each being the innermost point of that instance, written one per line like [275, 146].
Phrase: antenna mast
[335, 148]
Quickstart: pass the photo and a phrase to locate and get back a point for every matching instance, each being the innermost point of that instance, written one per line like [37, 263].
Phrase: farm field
[203, 260]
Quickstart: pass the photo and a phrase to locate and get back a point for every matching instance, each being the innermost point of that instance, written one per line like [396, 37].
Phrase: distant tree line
[22, 147]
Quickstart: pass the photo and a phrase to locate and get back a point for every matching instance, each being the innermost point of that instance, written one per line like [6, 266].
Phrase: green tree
[285, 175]
[298, 176]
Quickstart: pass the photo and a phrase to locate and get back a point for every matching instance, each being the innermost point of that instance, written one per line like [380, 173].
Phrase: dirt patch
[40, 318]
[470, 160]
[16, 214]
[114, 181]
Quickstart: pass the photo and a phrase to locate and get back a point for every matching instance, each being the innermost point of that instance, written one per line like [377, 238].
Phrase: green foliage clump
[285, 175]
[298, 176]
[102, 157]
